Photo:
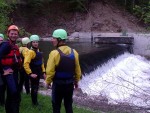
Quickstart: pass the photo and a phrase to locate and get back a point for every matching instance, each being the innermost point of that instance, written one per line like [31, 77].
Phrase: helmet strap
[23, 45]
[60, 41]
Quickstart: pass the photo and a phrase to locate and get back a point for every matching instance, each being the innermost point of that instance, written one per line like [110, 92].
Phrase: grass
[45, 106]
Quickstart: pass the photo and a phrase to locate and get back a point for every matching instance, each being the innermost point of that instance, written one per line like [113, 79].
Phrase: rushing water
[125, 79]
[110, 72]
[90, 55]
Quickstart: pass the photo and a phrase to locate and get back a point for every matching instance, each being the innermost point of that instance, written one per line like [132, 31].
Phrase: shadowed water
[90, 55]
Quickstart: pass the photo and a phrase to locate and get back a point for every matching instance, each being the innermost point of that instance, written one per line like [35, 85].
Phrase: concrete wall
[141, 41]
[141, 44]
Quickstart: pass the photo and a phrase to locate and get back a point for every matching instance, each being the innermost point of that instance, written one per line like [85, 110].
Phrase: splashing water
[124, 79]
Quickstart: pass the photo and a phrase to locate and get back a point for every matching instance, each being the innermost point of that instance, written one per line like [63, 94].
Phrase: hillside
[101, 17]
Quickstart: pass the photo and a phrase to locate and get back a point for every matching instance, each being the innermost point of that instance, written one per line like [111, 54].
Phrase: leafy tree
[143, 12]
[5, 10]
[140, 8]
[74, 5]
[78, 5]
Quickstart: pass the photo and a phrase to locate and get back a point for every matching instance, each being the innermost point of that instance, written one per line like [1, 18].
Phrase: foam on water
[123, 79]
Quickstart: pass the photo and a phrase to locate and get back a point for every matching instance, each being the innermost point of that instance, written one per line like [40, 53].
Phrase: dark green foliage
[74, 5]
[78, 5]
[5, 9]
[140, 8]
[143, 12]
[23, 32]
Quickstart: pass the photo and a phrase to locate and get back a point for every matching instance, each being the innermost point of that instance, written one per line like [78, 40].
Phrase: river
[110, 71]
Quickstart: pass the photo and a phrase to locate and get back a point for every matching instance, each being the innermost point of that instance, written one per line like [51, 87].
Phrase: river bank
[98, 104]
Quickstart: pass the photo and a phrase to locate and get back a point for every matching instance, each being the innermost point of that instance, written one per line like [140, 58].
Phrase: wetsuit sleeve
[25, 52]
[20, 49]
[43, 68]
[4, 49]
[77, 67]
[50, 68]
[31, 55]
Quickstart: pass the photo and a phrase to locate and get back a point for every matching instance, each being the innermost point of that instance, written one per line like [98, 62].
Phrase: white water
[124, 79]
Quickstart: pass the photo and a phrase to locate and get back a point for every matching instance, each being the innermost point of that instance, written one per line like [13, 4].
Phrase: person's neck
[12, 42]
[61, 44]
[34, 48]
[24, 45]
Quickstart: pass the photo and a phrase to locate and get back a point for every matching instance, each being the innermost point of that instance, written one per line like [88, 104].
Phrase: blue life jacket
[66, 68]
[38, 60]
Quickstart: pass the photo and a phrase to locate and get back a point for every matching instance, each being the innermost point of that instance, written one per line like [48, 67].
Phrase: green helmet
[34, 38]
[1, 35]
[25, 40]
[60, 33]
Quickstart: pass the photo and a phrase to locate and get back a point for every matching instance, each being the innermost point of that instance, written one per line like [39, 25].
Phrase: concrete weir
[141, 40]
[129, 41]
[114, 40]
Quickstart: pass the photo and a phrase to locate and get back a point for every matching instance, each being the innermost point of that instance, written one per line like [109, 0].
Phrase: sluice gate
[127, 40]
[107, 47]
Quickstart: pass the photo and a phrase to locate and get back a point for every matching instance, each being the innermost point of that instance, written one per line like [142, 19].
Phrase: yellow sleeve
[77, 67]
[52, 62]
[43, 68]
[20, 49]
[25, 52]
[31, 55]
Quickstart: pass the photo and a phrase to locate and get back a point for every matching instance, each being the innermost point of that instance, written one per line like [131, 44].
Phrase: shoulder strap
[61, 53]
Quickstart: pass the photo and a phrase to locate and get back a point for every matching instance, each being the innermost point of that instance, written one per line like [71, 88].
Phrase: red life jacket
[13, 58]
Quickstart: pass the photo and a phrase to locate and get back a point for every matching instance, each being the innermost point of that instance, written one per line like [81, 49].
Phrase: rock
[74, 35]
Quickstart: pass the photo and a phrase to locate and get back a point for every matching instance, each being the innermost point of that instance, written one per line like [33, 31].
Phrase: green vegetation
[44, 106]
[140, 8]
[5, 10]
[143, 12]
[73, 5]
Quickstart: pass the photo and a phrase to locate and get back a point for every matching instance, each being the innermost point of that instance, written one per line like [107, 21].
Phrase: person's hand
[44, 75]
[7, 71]
[33, 75]
[48, 86]
[76, 85]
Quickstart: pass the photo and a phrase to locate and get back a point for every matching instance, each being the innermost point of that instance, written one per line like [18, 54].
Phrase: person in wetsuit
[63, 71]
